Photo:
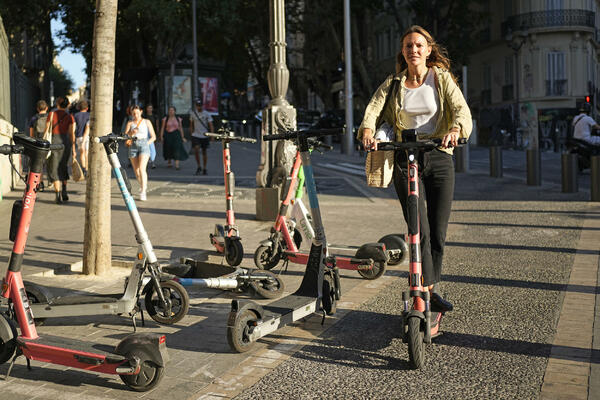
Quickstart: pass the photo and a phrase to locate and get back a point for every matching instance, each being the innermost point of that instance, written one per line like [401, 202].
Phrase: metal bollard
[569, 173]
[534, 167]
[461, 158]
[595, 178]
[496, 161]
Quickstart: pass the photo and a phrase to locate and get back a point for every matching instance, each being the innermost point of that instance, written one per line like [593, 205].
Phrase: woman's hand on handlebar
[368, 140]
[451, 138]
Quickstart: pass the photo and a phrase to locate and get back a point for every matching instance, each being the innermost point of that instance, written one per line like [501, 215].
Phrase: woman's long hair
[438, 57]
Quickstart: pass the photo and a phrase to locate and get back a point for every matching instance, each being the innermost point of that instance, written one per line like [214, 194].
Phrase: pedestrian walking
[171, 135]
[62, 125]
[148, 114]
[428, 100]
[139, 149]
[200, 123]
[82, 132]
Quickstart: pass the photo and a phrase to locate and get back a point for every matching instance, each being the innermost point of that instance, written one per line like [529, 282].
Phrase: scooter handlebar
[223, 136]
[305, 133]
[11, 149]
[114, 137]
[429, 144]
[317, 144]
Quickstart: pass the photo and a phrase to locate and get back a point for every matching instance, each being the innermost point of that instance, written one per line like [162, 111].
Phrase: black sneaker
[198, 171]
[204, 172]
[65, 196]
[58, 199]
[439, 304]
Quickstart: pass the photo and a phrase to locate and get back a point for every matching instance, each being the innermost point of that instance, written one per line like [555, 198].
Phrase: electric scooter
[419, 324]
[226, 239]
[285, 240]
[195, 273]
[166, 301]
[139, 359]
[320, 288]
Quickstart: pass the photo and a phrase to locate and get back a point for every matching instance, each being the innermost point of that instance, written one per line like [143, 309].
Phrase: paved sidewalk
[517, 258]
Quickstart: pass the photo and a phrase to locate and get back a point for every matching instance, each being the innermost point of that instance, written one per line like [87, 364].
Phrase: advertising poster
[210, 94]
[182, 93]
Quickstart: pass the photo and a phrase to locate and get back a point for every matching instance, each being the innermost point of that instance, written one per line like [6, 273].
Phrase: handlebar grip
[249, 140]
[6, 149]
[116, 137]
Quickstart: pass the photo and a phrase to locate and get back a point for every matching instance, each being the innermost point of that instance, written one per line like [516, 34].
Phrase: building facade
[537, 61]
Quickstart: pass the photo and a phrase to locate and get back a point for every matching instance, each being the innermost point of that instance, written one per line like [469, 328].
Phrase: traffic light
[588, 99]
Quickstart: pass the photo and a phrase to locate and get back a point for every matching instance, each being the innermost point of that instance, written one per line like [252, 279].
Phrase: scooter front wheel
[374, 273]
[266, 284]
[264, 258]
[8, 346]
[234, 252]
[238, 335]
[149, 376]
[416, 348]
[180, 303]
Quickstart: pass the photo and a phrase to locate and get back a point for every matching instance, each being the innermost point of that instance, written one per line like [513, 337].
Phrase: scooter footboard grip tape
[413, 216]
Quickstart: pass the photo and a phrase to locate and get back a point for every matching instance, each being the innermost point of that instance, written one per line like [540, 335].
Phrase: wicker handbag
[379, 165]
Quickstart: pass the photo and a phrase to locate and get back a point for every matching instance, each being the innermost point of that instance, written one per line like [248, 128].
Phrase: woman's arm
[162, 129]
[151, 130]
[181, 129]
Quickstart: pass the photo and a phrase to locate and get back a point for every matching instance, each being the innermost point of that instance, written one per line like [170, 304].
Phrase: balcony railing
[507, 92]
[556, 87]
[549, 19]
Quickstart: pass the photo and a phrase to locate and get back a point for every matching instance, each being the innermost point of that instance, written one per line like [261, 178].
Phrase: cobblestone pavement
[517, 257]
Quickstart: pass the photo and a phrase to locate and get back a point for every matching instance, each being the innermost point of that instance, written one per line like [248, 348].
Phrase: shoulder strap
[392, 88]
[200, 119]
[578, 119]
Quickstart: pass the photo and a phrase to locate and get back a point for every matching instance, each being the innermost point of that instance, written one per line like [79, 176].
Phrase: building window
[556, 82]
[554, 5]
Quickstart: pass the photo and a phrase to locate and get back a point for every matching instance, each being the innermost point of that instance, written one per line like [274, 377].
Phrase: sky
[73, 63]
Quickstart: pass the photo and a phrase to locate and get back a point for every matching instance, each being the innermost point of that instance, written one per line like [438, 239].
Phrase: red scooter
[419, 323]
[226, 239]
[139, 359]
[370, 259]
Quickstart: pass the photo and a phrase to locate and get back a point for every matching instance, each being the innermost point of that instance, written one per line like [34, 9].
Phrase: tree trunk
[97, 242]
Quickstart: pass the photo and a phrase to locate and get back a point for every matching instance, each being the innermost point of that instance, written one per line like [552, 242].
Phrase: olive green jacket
[453, 112]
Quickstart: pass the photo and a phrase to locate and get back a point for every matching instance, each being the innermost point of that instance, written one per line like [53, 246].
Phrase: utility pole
[347, 147]
[195, 90]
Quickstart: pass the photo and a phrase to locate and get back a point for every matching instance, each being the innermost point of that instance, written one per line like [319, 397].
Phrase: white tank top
[420, 106]
[142, 132]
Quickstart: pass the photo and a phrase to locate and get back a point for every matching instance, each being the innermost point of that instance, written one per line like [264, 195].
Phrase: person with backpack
[37, 124]
[200, 123]
[583, 125]
[62, 125]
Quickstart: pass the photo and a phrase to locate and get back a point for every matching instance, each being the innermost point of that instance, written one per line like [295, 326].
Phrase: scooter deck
[70, 344]
[199, 270]
[290, 308]
[84, 299]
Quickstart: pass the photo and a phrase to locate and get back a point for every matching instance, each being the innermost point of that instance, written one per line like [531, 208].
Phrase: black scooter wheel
[150, 374]
[266, 284]
[234, 253]
[180, 302]
[395, 242]
[8, 347]
[416, 348]
[238, 336]
[265, 259]
[329, 300]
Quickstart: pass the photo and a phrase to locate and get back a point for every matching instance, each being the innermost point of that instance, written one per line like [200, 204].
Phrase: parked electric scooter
[419, 323]
[201, 274]
[369, 260]
[166, 301]
[320, 288]
[226, 239]
[139, 359]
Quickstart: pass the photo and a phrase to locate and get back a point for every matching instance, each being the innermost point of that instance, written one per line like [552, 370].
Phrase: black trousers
[436, 186]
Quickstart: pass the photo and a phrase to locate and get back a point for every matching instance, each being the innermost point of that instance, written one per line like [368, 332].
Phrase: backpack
[39, 127]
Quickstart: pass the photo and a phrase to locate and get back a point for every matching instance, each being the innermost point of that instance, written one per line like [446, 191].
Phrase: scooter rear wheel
[180, 303]
[238, 336]
[265, 259]
[234, 253]
[150, 374]
[328, 300]
[416, 348]
[268, 285]
[37, 294]
[395, 242]
[8, 347]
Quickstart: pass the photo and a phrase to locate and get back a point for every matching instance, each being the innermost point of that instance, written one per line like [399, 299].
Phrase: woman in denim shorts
[139, 151]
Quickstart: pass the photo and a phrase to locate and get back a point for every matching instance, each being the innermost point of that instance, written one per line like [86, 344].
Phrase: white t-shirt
[201, 122]
[421, 105]
[582, 129]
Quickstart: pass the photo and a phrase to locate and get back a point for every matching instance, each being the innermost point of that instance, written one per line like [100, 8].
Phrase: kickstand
[12, 363]
[323, 320]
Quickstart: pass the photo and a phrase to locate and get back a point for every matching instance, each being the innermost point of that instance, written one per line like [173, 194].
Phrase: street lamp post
[196, 91]
[515, 42]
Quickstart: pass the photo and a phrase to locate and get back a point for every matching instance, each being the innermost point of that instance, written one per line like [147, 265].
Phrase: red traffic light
[587, 99]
